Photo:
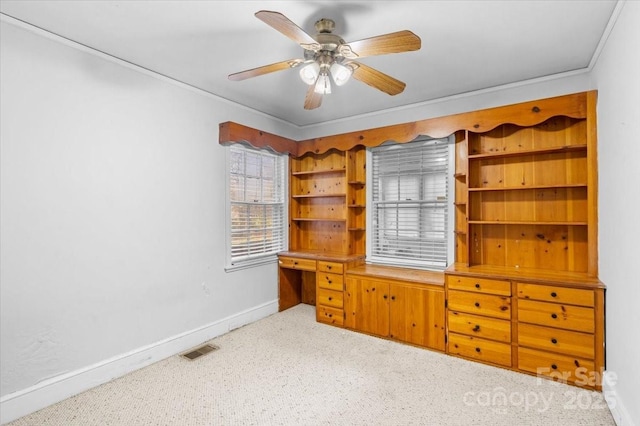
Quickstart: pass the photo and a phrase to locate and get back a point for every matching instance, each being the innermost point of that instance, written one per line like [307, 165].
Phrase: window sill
[251, 263]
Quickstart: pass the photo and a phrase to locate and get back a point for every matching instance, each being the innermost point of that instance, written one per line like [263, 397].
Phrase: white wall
[111, 216]
[112, 221]
[617, 77]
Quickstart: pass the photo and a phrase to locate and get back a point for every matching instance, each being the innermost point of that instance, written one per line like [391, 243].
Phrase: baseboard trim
[34, 398]
[617, 407]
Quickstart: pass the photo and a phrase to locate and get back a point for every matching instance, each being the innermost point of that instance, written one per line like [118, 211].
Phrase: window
[256, 208]
[409, 214]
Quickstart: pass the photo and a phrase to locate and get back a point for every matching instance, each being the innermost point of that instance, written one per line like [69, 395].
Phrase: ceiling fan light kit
[327, 54]
[323, 85]
[310, 72]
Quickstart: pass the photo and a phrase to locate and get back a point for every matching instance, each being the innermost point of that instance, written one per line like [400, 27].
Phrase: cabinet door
[417, 315]
[366, 305]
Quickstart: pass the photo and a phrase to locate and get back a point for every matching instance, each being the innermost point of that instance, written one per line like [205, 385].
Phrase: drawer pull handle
[477, 285]
[393, 298]
[554, 316]
[554, 294]
[330, 315]
[554, 341]
[295, 263]
[477, 304]
[553, 366]
[330, 298]
[329, 281]
[329, 267]
[384, 297]
[478, 350]
[476, 328]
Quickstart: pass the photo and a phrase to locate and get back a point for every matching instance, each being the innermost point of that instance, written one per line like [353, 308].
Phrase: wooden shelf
[520, 188]
[327, 201]
[523, 152]
[518, 222]
[319, 195]
[459, 175]
[459, 204]
[357, 229]
[317, 219]
[317, 172]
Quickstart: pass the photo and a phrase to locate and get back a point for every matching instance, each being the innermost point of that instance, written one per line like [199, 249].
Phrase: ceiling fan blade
[281, 23]
[398, 42]
[312, 100]
[254, 72]
[377, 79]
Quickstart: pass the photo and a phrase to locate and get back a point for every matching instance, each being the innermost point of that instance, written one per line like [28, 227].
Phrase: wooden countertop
[399, 273]
[320, 255]
[528, 275]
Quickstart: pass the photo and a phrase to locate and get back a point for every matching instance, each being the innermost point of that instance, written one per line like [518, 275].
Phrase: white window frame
[374, 258]
[241, 262]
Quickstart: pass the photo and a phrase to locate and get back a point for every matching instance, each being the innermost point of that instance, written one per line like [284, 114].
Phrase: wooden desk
[303, 275]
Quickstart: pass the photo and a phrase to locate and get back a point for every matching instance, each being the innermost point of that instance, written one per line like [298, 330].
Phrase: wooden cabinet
[523, 292]
[560, 332]
[552, 325]
[367, 305]
[416, 315]
[378, 301]
[479, 317]
[526, 216]
[330, 289]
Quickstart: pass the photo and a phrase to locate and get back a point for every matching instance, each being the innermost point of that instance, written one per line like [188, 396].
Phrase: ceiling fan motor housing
[325, 38]
[325, 25]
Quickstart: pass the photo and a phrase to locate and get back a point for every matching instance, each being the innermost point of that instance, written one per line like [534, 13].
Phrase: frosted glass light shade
[340, 73]
[323, 85]
[309, 73]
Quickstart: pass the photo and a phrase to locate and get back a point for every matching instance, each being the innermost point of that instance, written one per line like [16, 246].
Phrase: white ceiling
[466, 45]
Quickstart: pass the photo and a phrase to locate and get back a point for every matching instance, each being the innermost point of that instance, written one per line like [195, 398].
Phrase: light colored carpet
[289, 370]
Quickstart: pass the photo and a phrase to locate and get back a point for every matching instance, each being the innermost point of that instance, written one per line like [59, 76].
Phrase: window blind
[410, 207]
[256, 195]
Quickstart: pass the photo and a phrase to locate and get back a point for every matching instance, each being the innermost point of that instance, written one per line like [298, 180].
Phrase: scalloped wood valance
[522, 114]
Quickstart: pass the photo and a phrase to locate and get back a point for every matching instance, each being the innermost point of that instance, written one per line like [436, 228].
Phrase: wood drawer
[481, 304]
[329, 315]
[333, 267]
[565, 368]
[556, 340]
[330, 281]
[569, 296]
[475, 325]
[479, 285]
[330, 298]
[297, 263]
[480, 349]
[556, 315]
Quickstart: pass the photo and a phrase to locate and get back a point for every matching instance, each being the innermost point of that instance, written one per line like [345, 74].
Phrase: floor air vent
[198, 352]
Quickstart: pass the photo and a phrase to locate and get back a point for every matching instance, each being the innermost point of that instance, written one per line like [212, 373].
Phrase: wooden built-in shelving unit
[523, 292]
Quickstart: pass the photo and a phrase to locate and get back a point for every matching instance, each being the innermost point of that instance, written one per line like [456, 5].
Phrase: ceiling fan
[327, 55]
